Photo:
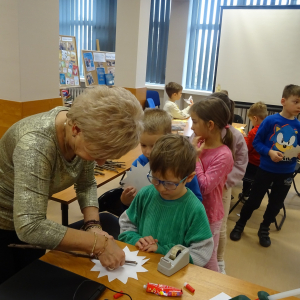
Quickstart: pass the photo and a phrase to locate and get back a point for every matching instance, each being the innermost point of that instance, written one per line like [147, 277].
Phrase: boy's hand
[276, 156]
[145, 242]
[128, 195]
[243, 133]
[151, 248]
[298, 156]
[191, 102]
[195, 143]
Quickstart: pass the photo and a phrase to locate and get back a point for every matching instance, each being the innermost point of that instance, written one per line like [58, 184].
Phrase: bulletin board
[68, 62]
[95, 65]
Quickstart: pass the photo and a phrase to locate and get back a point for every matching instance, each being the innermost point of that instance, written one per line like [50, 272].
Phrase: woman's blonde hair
[215, 109]
[111, 121]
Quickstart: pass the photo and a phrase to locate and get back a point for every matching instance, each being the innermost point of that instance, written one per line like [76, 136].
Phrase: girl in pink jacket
[214, 162]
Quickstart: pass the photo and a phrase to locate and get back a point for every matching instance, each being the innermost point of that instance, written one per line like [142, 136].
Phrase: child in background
[167, 213]
[240, 154]
[276, 134]
[157, 123]
[174, 92]
[214, 162]
[257, 113]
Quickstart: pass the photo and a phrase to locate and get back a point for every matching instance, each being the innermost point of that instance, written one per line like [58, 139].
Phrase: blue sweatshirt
[279, 134]
[193, 185]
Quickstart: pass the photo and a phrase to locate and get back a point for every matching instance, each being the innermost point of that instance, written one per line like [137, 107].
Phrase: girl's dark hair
[228, 102]
[214, 109]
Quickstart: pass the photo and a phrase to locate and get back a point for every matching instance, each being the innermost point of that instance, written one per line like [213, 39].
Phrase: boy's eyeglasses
[168, 185]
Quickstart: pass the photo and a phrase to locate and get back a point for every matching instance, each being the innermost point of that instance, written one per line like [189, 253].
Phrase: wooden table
[207, 283]
[68, 195]
[187, 131]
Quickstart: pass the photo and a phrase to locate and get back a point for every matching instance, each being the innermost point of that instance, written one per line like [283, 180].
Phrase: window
[204, 30]
[89, 20]
[158, 41]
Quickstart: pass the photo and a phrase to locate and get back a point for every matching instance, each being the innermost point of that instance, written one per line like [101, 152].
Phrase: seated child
[257, 113]
[174, 92]
[167, 213]
[157, 123]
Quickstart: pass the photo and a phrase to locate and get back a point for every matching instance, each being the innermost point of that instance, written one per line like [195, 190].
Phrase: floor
[276, 267]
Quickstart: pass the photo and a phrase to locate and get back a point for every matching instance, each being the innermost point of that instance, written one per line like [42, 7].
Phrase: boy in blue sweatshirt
[157, 123]
[276, 134]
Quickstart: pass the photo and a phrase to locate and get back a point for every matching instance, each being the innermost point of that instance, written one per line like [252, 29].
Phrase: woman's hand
[113, 256]
[100, 232]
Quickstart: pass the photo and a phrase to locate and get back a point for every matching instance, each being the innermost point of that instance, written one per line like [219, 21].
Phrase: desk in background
[207, 283]
[68, 195]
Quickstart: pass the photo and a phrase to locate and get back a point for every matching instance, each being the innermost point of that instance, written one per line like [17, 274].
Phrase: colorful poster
[65, 70]
[88, 60]
[75, 70]
[111, 70]
[68, 81]
[63, 64]
[89, 78]
[101, 75]
[76, 80]
[110, 56]
[62, 79]
[99, 57]
[64, 54]
[71, 81]
[73, 55]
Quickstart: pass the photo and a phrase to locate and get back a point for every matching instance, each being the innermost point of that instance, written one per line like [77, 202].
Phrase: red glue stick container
[190, 288]
[162, 290]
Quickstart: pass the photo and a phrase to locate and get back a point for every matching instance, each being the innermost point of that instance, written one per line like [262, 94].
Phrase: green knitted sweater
[182, 221]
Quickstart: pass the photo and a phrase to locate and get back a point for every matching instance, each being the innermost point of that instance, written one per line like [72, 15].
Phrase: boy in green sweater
[167, 213]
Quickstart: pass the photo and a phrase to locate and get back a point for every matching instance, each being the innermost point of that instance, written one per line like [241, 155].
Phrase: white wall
[28, 49]
[132, 42]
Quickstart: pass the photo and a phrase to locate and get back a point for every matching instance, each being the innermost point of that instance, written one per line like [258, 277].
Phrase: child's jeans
[223, 231]
[215, 230]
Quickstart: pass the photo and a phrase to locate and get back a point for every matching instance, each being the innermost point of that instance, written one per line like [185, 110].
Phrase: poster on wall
[97, 67]
[68, 62]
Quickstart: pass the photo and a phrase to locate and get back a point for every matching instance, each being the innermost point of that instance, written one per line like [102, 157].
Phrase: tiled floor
[276, 267]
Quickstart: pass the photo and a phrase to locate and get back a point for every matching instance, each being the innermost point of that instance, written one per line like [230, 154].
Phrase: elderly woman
[46, 153]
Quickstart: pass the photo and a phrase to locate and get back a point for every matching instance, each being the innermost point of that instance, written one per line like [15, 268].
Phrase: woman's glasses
[168, 185]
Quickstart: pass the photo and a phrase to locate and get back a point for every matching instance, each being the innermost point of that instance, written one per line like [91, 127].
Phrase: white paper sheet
[124, 272]
[292, 152]
[137, 177]
[221, 296]
[110, 56]
[99, 57]
[188, 101]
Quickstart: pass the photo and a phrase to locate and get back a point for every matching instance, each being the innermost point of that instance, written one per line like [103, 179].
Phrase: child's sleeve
[199, 238]
[260, 137]
[210, 178]
[177, 113]
[194, 187]
[129, 223]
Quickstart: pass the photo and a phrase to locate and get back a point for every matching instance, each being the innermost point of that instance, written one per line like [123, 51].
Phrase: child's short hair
[258, 109]
[173, 87]
[157, 120]
[291, 90]
[173, 153]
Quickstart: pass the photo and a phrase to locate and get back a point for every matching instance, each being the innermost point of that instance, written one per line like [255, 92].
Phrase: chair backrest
[149, 103]
[155, 96]
[111, 202]
[238, 119]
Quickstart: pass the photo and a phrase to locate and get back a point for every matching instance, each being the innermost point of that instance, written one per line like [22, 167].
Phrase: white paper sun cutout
[293, 152]
[124, 272]
[137, 177]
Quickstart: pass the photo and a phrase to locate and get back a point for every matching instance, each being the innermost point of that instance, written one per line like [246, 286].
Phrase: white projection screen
[258, 53]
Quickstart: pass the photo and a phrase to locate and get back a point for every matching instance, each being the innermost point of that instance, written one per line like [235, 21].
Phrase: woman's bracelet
[93, 226]
[104, 247]
[95, 242]
[87, 224]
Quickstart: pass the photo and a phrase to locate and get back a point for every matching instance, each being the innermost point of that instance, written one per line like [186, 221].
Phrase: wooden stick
[69, 252]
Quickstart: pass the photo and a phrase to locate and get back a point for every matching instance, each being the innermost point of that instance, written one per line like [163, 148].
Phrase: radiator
[75, 92]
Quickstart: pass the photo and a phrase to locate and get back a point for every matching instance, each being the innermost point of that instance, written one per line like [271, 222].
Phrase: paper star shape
[292, 152]
[124, 272]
